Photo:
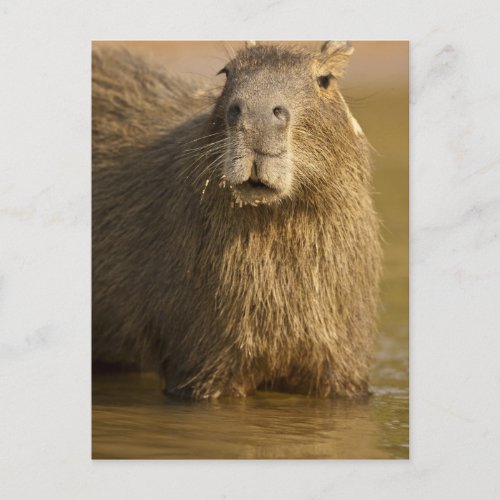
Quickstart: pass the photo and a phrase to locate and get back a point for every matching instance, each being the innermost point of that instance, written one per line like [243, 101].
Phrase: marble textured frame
[45, 220]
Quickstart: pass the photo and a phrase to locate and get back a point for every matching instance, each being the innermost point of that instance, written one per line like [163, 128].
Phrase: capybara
[234, 240]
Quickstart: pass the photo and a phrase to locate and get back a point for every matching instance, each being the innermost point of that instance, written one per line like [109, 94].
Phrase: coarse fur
[224, 285]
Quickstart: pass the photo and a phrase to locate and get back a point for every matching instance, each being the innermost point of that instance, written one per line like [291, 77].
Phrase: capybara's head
[278, 107]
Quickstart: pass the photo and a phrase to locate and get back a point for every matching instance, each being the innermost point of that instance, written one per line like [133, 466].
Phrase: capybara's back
[235, 246]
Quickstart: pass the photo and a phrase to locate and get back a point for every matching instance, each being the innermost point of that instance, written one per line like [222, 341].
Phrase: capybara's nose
[233, 114]
[261, 116]
[281, 116]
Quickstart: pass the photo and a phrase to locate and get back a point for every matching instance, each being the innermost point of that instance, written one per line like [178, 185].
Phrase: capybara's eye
[324, 81]
[224, 71]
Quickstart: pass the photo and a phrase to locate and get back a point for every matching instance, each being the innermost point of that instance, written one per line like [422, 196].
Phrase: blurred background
[132, 419]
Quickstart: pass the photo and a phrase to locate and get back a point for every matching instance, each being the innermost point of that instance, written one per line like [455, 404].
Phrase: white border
[45, 249]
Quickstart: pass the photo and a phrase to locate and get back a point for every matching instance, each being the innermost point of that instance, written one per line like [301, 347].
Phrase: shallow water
[132, 418]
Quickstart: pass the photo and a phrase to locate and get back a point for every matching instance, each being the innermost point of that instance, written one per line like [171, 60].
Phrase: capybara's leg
[325, 383]
[219, 383]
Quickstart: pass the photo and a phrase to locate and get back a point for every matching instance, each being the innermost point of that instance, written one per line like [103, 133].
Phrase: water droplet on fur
[204, 189]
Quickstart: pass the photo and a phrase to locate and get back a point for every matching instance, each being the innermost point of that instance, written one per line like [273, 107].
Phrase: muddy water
[132, 419]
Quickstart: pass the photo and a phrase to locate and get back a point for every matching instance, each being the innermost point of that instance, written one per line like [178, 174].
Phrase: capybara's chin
[255, 192]
[222, 300]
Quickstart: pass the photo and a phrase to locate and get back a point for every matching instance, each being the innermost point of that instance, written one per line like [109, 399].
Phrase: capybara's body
[235, 246]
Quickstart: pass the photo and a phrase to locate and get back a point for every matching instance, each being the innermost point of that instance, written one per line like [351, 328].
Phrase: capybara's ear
[334, 57]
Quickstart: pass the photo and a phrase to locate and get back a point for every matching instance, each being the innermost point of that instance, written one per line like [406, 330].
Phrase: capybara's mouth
[254, 192]
[257, 184]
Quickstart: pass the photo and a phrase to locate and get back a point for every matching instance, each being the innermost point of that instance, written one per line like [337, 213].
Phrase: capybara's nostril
[281, 114]
[233, 114]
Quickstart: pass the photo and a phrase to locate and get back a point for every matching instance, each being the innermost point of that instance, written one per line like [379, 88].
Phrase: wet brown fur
[225, 299]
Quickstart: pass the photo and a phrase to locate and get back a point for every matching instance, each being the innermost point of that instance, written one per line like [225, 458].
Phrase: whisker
[203, 137]
[206, 145]
[202, 153]
[207, 168]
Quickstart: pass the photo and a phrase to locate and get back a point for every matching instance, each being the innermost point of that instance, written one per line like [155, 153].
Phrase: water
[132, 418]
